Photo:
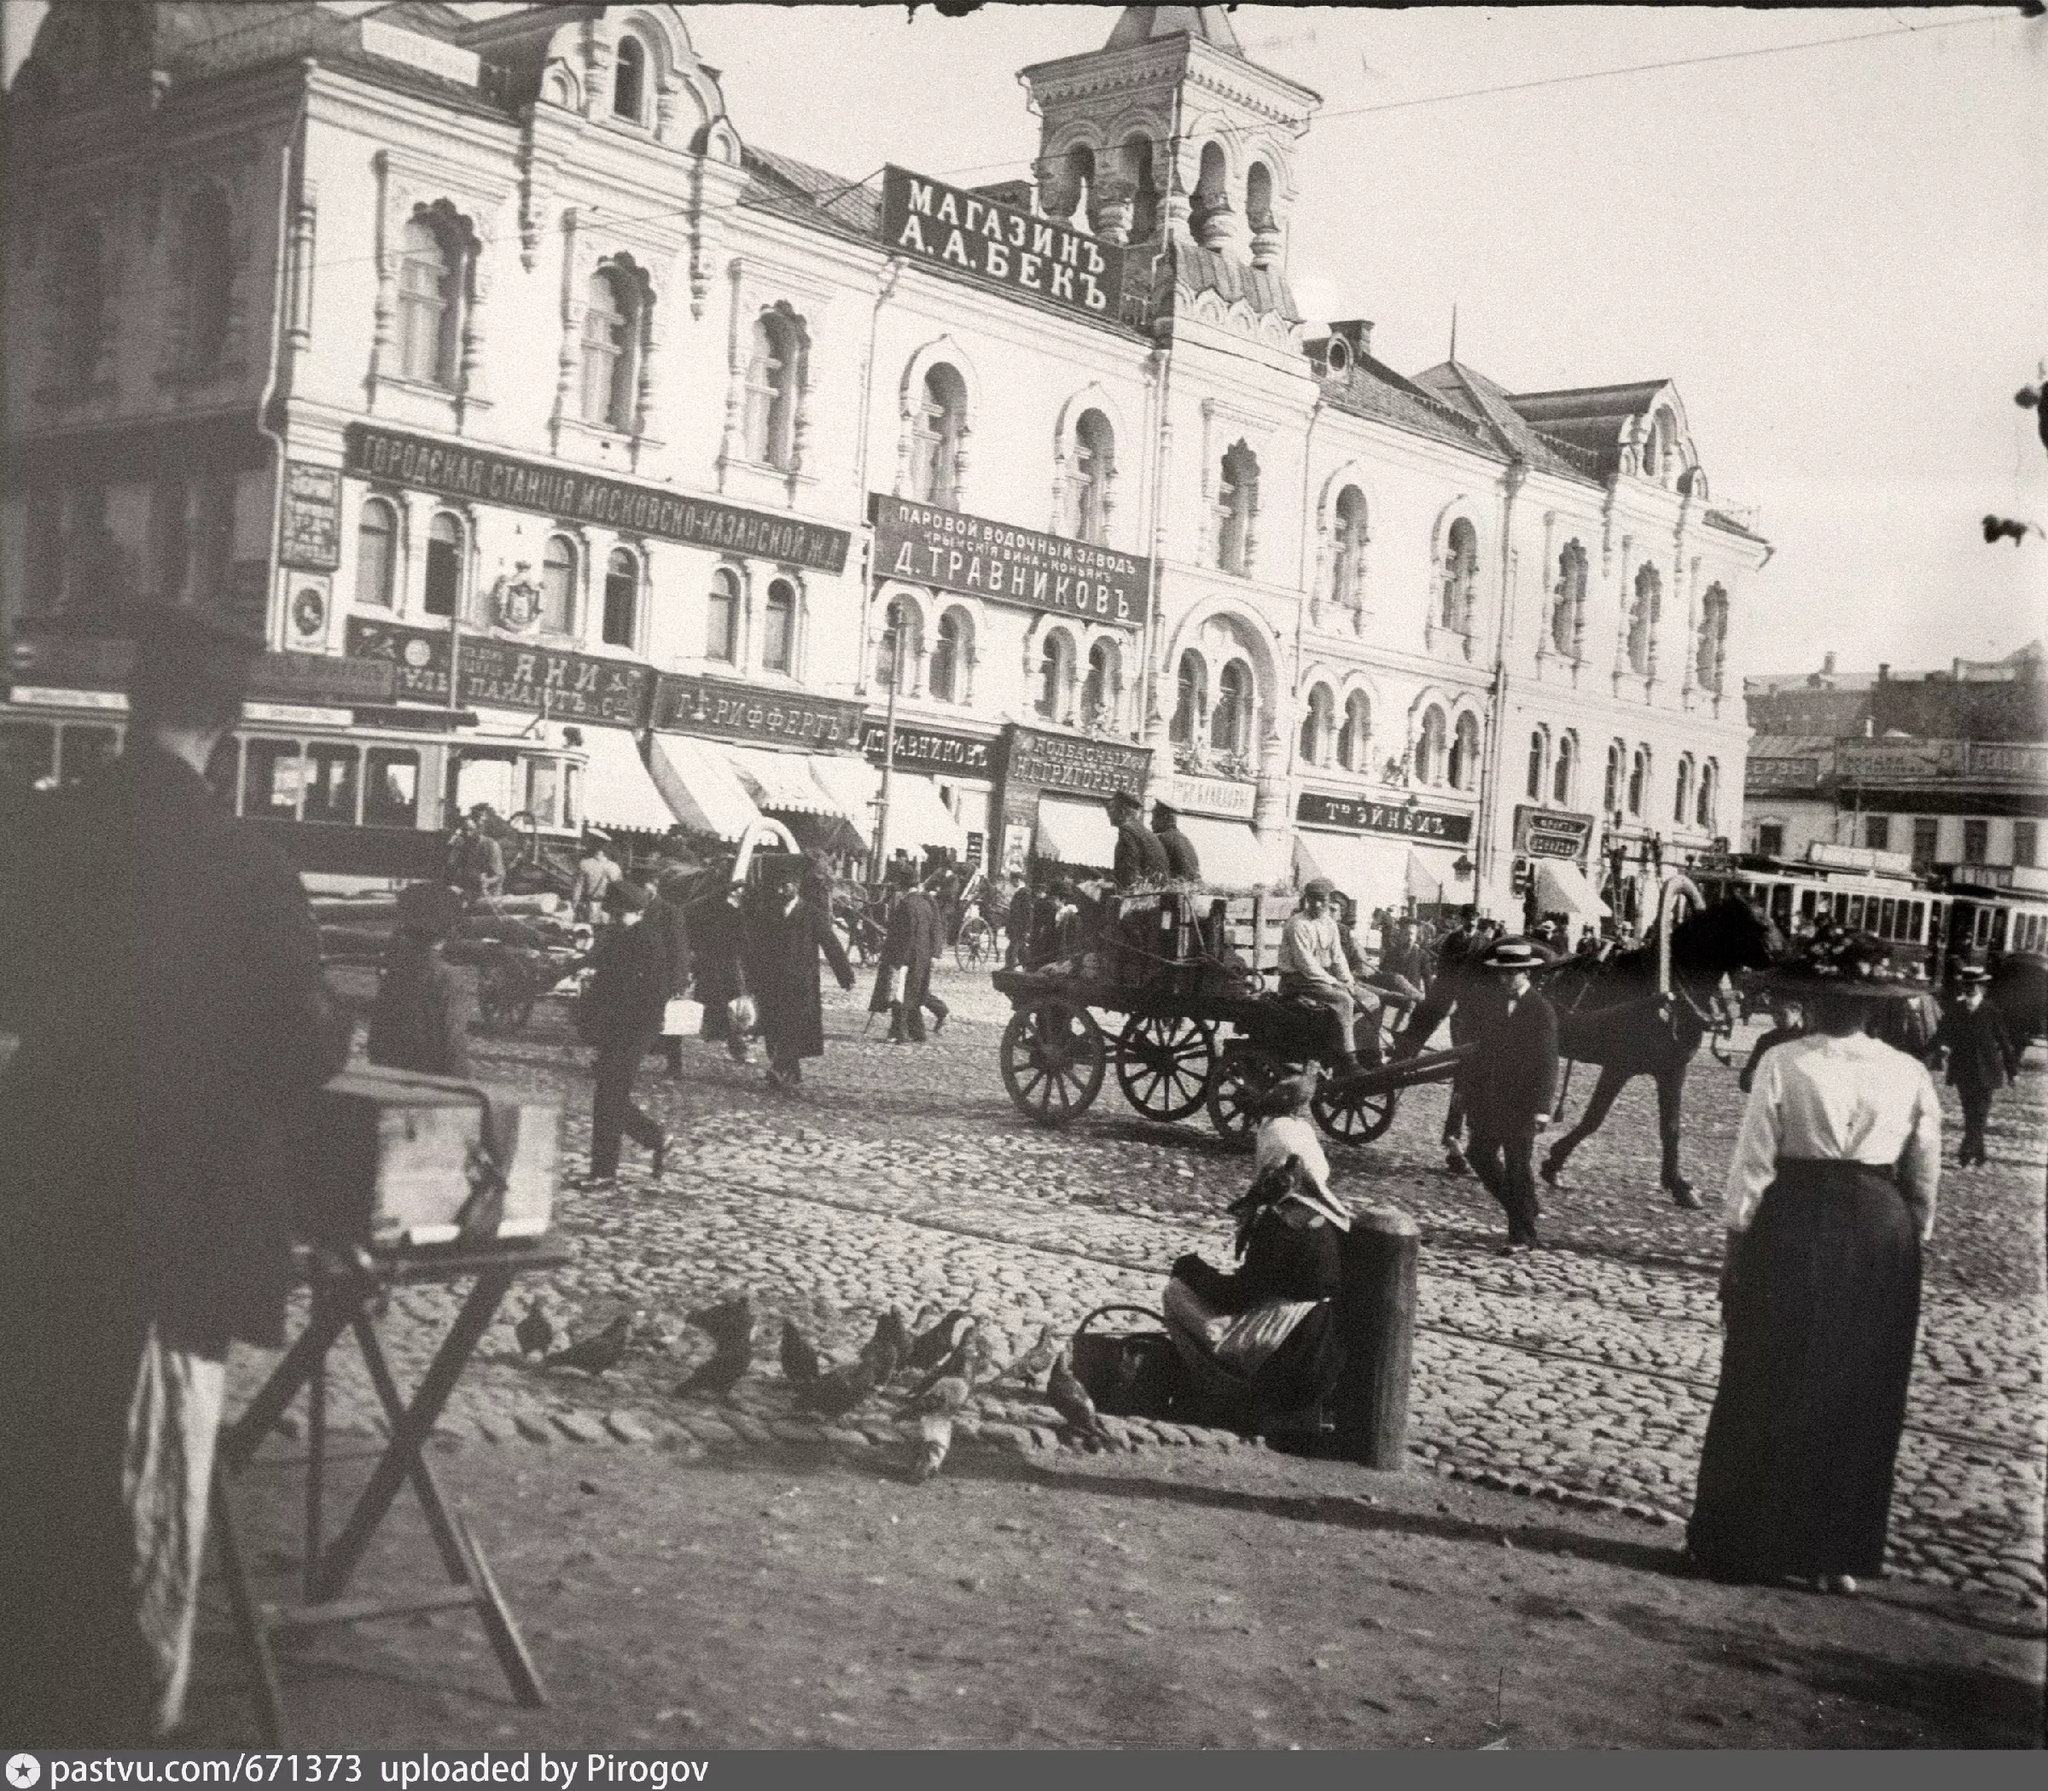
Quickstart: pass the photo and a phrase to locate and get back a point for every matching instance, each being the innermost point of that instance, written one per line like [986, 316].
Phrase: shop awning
[617, 790]
[1231, 855]
[1077, 834]
[919, 820]
[781, 783]
[828, 836]
[1426, 882]
[700, 786]
[1561, 888]
[1347, 862]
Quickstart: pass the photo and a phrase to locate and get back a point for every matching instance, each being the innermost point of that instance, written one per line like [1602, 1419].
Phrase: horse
[2019, 990]
[1611, 1011]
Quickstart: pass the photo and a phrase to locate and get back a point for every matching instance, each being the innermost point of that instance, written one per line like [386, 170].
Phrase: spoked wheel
[976, 944]
[1243, 1077]
[1353, 1115]
[1053, 1056]
[1163, 1064]
[504, 997]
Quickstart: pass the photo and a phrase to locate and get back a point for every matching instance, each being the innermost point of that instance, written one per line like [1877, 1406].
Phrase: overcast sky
[1839, 253]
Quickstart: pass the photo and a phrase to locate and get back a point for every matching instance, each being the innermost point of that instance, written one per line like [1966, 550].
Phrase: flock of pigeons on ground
[943, 1355]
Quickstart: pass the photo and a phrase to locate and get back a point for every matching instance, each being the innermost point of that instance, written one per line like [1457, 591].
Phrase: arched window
[1212, 197]
[1538, 753]
[1568, 600]
[1564, 772]
[621, 598]
[1318, 724]
[1145, 204]
[1354, 742]
[428, 306]
[778, 627]
[722, 617]
[444, 566]
[937, 437]
[902, 642]
[950, 657]
[612, 325]
[1460, 578]
[558, 585]
[1237, 509]
[207, 278]
[1055, 675]
[1616, 753]
[1347, 564]
[1230, 729]
[629, 79]
[1713, 640]
[1465, 754]
[1710, 790]
[82, 319]
[1258, 197]
[1642, 618]
[1681, 792]
[775, 377]
[376, 552]
[1191, 699]
[1638, 780]
[1093, 463]
[1431, 746]
[1081, 178]
[1099, 690]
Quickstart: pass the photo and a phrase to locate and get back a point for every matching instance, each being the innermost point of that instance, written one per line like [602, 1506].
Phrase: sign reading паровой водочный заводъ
[923, 545]
[950, 227]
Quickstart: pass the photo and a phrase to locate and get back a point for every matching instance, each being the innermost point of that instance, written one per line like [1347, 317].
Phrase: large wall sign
[1225, 796]
[1060, 762]
[1435, 826]
[312, 516]
[1549, 833]
[686, 705]
[929, 749]
[428, 465]
[950, 227]
[997, 560]
[102, 662]
[507, 674]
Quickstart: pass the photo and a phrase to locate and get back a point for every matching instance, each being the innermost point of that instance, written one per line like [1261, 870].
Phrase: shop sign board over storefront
[687, 705]
[2009, 760]
[1061, 762]
[102, 662]
[1781, 774]
[1905, 760]
[484, 476]
[1228, 797]
[947, 226]
[1433, 826]
[927, 546]
[932, 749]
[1552, 833]
[504, 674]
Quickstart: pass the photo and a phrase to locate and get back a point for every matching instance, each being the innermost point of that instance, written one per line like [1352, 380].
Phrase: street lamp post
[894, 636]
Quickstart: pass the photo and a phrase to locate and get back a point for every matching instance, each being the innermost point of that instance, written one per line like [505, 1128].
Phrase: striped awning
[702, 788]
[783, 783]
[618, 792]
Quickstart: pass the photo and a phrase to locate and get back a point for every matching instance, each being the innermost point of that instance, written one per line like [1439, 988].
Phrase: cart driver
[1140, 857]
[1313, 966]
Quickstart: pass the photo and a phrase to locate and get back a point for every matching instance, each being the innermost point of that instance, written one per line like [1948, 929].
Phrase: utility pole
[894, 636]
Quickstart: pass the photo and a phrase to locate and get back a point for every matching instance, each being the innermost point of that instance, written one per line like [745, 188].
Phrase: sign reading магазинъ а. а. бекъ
[950, 227]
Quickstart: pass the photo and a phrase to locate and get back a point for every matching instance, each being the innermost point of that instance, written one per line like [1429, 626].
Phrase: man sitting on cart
[1313, 967]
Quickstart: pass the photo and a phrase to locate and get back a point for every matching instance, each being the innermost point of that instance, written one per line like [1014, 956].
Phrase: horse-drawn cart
[1186, 1023]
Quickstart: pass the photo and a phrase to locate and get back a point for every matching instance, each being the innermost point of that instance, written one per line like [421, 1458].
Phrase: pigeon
[959, 1365]
[934, 1438]
[594, 1355]
[533, 1332]
[929, 1348]
[730, 1326]
[1037, 1359]
[837, 1391]
[947, 1395]
[2000, 528]
[981, 1357]
[882, 1356]
[799, 1359]
[1070, 1399]
[891, 1329]
[727, 1322]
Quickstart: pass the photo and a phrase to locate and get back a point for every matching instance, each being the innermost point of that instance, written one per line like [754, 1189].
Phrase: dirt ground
[1168, 1599]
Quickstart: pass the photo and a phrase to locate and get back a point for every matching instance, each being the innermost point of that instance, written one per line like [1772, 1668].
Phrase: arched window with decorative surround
[1638, 781]
[429, 305]
[1137, 161]
[952, 656]
[621, 598]
[206, 279]
[1642, 618]
[1464, 767]
[775, 380]
[1705, 815]
[722, 617]
[778, 627]
[558, 585]
[1191, 699]
[901, 645]
[1617, 758]
[1539, 755]
[1100, 690]
[1091, 465]
[1681, 792]
[1711, 666]
[1347, 558]
[614, 347]
[1568, 601]
[1237, 508]
[1458, 592]
[1055, 676]
[629, 79]
[1354, 739]
[1564, 771]
[1318, 726]
[1432, 747]
[376, 552]
[938, 438]
[1230, 728]
[445, 564]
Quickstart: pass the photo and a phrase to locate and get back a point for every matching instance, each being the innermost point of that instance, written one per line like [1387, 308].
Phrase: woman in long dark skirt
[1830, 1195]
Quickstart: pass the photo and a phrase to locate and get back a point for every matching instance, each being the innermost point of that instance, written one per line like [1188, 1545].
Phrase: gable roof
[1500, 414]
[781, 183]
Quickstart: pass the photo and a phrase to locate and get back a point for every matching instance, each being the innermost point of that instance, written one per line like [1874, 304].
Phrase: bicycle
[976, 945]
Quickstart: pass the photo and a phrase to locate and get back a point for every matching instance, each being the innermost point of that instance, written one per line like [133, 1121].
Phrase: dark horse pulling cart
[1198, 1027]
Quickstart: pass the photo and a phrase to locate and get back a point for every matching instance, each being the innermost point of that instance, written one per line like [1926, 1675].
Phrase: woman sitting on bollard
[1259, 1342]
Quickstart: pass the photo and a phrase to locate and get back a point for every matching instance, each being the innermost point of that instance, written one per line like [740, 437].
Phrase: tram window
[1841, 909]
[1887, 915]
[1806, 898]
[572, 795]
[1999, 917]
[270, 782]
[1781, 904]
[331, 784]
[28, 756]
[224, 770]
[489, 781]
[391, 787]
[1983, 934]
[542, 775]
[1913, 925]
[1855, 921]
[86, 747]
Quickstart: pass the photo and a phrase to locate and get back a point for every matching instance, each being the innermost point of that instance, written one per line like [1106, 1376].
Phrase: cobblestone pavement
[1582, 1373]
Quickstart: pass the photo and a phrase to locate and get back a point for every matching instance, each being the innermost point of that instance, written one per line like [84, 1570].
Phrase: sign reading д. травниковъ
[997, 560]
[950, 227]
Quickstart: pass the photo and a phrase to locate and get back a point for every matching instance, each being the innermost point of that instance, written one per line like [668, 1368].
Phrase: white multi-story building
[417, 340]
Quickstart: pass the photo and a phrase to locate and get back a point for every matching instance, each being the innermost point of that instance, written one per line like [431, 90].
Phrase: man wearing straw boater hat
[1980, 1054]
[1511, 1081]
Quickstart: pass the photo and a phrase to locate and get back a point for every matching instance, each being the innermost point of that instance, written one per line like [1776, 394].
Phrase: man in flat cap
[174, 1024]
[1182, 860]
[1140, 858]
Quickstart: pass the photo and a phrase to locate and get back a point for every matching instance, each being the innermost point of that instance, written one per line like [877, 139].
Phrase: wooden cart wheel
[1163, 1064]
[1243, 1076]
[1354, 1116]
[504, 998]
[1052, 1057]
[976, 944]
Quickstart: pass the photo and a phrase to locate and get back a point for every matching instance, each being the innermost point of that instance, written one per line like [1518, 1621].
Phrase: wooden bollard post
[1376, 1324]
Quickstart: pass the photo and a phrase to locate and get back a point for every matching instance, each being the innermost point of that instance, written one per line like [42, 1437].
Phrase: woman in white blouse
[1829, 1198]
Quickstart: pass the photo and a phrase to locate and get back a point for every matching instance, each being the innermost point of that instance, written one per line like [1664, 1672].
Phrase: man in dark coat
[913, 942]
[785, 929]
[174, 1026]
[717, 947]
[1140, 858]
[1512, 1080]
[621, 1015]
[1017, 925]
[1182, 860]
[1981, 1058]
[421, 1019]
[668, 915]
